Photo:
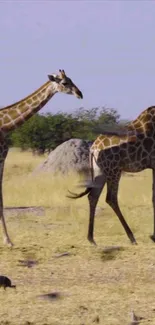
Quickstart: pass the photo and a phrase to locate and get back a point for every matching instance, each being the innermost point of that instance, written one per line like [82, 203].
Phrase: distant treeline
[43, 133]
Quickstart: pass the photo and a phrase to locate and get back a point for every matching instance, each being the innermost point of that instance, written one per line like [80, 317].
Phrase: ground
[94, 286]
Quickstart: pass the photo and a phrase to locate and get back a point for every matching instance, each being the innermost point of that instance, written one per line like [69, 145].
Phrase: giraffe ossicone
[14, 115]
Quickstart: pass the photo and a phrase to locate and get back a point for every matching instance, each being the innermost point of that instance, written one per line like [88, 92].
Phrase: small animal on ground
[5, 282]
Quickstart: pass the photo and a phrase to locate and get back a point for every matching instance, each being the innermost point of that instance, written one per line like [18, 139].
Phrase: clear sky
[106, 47]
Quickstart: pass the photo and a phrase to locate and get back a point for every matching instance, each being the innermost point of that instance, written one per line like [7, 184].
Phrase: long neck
[15, 115]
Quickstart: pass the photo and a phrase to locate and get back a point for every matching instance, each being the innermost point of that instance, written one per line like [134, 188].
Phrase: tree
[46, 132]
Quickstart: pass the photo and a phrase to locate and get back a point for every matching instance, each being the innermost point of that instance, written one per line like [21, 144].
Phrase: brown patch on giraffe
[117, 157]
[123, 146]
[13, 114]
[131, 148]
[153, 153]
[6, 119]
[106, 142]
[35, 98]
[141, 136]
[20, 107]
[146, 117]
[148, 143]
[133, 156]
[148, 126]
[130, 126]
[29, 101]
[115, 149]
[137, 124]
[139, 153]
[35, 104]
[144, 161]
[141, 117]
[123, 150]
[140, 129]
[115, 140]
[132, 138]
[144, 154]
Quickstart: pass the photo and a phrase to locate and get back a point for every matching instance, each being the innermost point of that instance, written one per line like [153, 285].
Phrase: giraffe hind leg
[112, 200]
[93, 198]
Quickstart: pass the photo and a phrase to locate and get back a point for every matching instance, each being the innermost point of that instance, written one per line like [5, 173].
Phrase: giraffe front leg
[7, 239]
[153, 201]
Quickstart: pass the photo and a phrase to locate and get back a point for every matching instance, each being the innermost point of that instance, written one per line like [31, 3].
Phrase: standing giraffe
[131, 150]
[15, 115]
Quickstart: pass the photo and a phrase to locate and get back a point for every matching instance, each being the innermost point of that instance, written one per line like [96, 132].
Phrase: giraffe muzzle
[78, 94]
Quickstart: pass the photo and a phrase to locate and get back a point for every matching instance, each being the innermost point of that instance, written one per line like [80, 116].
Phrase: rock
[70, 156]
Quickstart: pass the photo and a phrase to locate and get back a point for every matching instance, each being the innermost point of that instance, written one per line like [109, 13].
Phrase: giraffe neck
[145, 122]
[15, 115]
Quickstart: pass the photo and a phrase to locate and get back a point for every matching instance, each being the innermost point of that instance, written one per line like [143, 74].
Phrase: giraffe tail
[77, 196]
[89, 186]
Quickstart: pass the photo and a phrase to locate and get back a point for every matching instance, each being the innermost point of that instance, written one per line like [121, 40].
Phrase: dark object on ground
[63, 254]
[51, 296]
[28, 263]
[5, 282]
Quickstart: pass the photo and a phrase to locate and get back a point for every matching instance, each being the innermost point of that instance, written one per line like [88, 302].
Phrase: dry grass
[94, 286]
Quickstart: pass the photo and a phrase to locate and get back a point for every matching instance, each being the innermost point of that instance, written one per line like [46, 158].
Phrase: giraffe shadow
[37, 210]
[110, 253]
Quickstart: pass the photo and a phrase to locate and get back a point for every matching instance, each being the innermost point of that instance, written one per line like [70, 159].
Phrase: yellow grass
[91, 283]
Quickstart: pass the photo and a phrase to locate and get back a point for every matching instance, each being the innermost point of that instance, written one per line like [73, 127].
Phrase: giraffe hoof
[92, 241]
[8, 242]
[153, 238]
[134, 242]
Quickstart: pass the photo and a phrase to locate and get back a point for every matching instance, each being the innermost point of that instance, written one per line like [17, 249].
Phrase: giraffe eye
[64, 83]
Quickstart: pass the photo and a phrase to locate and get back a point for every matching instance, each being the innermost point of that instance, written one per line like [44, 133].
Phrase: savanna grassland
[94, 286]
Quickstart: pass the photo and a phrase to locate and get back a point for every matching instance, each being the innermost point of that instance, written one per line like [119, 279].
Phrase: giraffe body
[110, 155]
[15, 115]
[128, 156]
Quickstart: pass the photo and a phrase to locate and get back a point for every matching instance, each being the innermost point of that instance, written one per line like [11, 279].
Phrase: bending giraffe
[130, 150]
[15, 115]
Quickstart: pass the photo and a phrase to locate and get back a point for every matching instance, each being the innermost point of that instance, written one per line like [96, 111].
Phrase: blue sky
[106, 47]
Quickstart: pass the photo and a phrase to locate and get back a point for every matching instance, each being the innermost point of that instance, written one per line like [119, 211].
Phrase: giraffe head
[64, 84]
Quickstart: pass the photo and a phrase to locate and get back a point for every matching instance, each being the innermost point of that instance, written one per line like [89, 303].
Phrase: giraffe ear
[51, 77]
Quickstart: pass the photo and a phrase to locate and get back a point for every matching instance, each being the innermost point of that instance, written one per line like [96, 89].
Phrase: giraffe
[13, 116]
[114, 152]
